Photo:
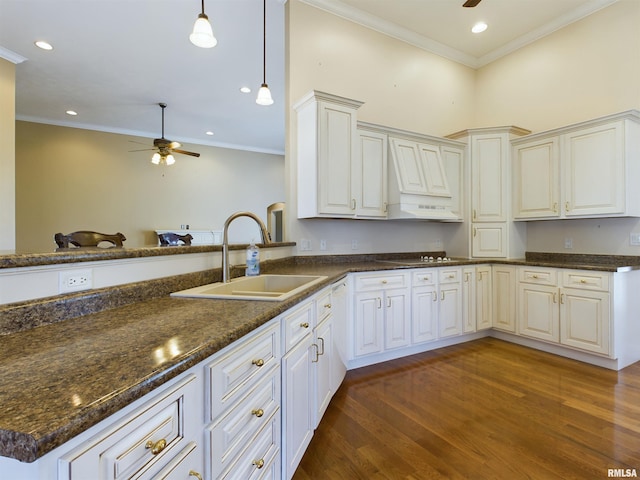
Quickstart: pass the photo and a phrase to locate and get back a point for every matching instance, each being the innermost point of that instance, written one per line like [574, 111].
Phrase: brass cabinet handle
[555, 207]
[562, 299]
[258, 363]
[566, 206]
[259, 463]
[435, 296]
[322, 341]
[156, 447]
[258, 413]
[554, 298]
[305, 325]
[317, 353]
[442, 294]
[193, 473]
[327, 305]
[474, 214]
[475, 231]
[379, 303]
[353, 204]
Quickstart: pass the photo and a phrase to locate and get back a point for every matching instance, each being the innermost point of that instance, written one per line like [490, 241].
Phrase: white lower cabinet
[157, 440]
[569, 307]
[503, 284]
[483, 297]
[312, 371]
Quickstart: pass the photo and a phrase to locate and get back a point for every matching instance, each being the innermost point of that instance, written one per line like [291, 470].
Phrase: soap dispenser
[253, 260]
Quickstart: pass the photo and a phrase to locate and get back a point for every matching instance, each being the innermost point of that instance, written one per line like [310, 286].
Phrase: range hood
[418, 184]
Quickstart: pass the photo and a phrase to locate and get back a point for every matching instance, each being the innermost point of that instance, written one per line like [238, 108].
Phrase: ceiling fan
[471, 3]
[165, 147]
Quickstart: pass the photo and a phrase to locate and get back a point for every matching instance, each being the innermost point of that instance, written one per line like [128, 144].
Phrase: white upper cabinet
[419, 168]
[489, 163]
[369, 174]
[580, 171]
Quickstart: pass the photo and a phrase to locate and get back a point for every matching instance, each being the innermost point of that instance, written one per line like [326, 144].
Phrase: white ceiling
[114, 60]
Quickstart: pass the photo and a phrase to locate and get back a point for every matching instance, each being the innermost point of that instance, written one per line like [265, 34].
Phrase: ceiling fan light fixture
[155, 159]
[264, 96]
[169, 160]
[202, 34]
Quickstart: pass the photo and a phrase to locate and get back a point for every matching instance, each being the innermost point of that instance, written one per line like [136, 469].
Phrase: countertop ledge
[81, 370]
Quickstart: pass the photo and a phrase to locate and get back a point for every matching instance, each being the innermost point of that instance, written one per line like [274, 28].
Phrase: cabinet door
[504, 297]
[538, 312]
[450, 310]
[469, 300]
[536, 179]
[483, 298]
[424, 314]
[453, 160]
[298, 419]
[407, 165]
[586, 320]
[322, 360]
[397, 320]
[337, 146]
[369, 175]
[369, 327]
[435, 175]
[489, 240]
[594, 171]
[489, 154]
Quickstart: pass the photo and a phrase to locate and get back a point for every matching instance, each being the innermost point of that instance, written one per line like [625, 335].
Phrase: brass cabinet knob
[259, 463]
[156, 447]
[258, 363]
[258, 413]
[327, 305]
[305, 325]
[193, 473]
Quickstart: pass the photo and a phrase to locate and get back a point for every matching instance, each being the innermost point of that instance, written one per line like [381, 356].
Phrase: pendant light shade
[264, 94]
[202, 35]
[155, 159]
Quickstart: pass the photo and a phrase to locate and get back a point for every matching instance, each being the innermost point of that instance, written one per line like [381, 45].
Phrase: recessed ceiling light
[209, 133]
[43, 45]
[245, 89]
[71, 112]
[479, 27]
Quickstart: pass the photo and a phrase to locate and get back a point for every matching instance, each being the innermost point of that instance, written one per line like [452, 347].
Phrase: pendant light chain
[264, 95]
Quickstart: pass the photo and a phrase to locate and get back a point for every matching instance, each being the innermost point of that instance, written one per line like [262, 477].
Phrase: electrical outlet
[305, 245]
[75, 280]
[354, 244]
[634, 239]
[323, 244]
[568, 242]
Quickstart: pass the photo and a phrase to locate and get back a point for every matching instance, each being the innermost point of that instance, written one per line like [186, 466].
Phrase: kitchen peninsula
[84, 371]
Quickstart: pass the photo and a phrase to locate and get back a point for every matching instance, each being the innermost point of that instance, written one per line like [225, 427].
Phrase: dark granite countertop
[61, 378]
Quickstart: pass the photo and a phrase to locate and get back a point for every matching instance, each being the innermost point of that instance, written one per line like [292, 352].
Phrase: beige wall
[71, 179]
[7, 155]
[588, 69]
[402, 86]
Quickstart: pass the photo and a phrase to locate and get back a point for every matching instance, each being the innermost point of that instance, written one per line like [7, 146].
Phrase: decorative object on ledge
[170, 238]
[86, 238]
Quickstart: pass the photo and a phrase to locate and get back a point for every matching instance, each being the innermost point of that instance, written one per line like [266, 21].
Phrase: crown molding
[11, 56]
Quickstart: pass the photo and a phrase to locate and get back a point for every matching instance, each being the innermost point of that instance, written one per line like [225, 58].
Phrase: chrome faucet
[225, 239]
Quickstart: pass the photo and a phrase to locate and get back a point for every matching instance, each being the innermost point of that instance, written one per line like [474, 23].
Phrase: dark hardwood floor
[486, 409]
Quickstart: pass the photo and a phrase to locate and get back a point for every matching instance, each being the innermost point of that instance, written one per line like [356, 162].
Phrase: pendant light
[202, 35]
[264, 95]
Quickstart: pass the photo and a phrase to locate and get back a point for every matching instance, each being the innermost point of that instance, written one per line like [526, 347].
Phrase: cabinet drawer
[231, 434]
[586, 279]
[263, 451]
[424, 277]
[449, 275]
[297, 325]
[228, 377]
[323, 305]
[126, 450]
[538, 276]
[376, 282]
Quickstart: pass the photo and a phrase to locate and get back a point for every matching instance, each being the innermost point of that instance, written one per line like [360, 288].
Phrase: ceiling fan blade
[471, 3]
[139, 143]
[184, 152]
[142, 150]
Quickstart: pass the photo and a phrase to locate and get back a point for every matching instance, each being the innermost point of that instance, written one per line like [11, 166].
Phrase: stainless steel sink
[263, 287]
